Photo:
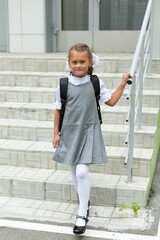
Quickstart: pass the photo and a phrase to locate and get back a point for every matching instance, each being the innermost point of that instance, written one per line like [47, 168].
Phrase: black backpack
[63, 95]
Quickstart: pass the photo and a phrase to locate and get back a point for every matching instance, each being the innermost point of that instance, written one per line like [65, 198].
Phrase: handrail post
[151, 41]
[138, 71]
[140, 88]
[131, 131]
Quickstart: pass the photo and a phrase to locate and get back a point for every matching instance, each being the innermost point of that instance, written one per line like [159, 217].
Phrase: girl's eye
[81, 62]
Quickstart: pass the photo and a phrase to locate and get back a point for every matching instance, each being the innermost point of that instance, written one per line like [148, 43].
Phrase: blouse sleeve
[105, 95]
[58, 98]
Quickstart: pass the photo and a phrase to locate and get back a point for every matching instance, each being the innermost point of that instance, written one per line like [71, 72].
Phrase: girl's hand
[118, 93]
[125, 77]
[56, 141]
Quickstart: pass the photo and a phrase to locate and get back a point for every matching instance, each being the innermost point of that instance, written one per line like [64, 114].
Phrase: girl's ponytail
[90, 70]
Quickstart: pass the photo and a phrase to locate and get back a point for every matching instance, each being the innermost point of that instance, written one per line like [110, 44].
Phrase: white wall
[26, 26]
[99, 41]
[27, 31]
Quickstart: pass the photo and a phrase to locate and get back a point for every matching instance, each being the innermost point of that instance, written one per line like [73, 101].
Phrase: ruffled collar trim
[78, 81]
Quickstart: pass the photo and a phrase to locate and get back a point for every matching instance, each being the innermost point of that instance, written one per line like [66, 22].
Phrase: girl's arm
[56, 129]
[118, 93]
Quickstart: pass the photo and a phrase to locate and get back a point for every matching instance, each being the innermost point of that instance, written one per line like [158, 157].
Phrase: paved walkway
[101, 218]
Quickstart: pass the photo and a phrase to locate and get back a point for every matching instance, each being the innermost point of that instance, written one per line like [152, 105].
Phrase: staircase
[27, 95]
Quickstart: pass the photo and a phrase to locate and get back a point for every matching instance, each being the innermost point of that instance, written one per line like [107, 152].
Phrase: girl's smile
[79, 63]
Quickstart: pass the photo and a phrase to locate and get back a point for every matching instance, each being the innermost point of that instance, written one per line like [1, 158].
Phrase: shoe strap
[89, 204]
[82, 217]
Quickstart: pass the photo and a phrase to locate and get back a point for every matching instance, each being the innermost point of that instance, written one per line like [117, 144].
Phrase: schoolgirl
[80, 142]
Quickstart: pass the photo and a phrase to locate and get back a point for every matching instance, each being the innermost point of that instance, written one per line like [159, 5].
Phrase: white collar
[78, 81]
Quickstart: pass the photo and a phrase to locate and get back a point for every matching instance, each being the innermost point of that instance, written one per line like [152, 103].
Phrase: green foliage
[135, 208]
[122, 206]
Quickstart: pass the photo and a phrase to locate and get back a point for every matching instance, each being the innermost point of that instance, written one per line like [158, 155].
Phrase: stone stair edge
[33, 73]
[47, 95]
[65, 73]
[52, 106]
[118, 60]
[45, 112]
[153, 92]
[62, 55]
[49, 125]
[35, 146]
[35, 154]
[57, 184]
[114, 135]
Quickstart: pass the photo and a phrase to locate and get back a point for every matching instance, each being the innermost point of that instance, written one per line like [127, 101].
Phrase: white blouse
[105, 95]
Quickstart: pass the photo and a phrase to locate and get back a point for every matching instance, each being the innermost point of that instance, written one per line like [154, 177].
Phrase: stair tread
[25, 89]
[30, 73]
[60, 74]
[49, 124]
[62, 55]
[104, 108]
[64, 177]
[48, 184]
[52, 90]
[47, 106]
[140, 153]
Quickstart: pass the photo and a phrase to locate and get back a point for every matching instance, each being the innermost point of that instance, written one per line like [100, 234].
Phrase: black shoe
[88, 209]
[80, 229]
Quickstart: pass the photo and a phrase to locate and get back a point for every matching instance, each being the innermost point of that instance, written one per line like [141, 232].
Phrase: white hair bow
[95, 62]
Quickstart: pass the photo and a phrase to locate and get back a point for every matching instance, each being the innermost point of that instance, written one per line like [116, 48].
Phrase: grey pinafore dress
[81, 140]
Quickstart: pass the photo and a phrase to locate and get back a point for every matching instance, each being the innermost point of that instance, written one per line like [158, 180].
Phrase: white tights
[80, 178]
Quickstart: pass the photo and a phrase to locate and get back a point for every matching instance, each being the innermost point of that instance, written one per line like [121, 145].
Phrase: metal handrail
[141, 62]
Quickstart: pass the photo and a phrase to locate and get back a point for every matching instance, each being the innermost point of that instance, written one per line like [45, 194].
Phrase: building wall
[3, 25]
[27, 31]
[26, 26]
[99, 41]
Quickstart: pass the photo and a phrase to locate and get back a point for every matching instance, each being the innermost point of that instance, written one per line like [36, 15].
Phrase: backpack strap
[96, 86]
[63, 95]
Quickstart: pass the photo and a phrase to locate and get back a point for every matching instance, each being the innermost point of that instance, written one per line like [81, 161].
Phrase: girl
[80, 142]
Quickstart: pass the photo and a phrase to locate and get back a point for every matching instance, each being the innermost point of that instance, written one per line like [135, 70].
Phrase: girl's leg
[82, 175]
[74, 178]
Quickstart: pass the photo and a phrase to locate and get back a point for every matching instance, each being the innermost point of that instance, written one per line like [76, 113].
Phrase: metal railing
[142, 62]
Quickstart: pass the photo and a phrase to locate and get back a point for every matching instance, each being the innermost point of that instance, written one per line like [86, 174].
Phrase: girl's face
[79, 63]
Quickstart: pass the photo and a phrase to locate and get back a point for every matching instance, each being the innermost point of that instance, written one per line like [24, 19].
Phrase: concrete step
[36, 154]
[28, 111]
[114, 135]
[27, 94]
[118, 115]
[55, 62]
[51, 79]
[45, 112]
[47, 184]
[62, 214]
[151, 98]
[31, 79]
